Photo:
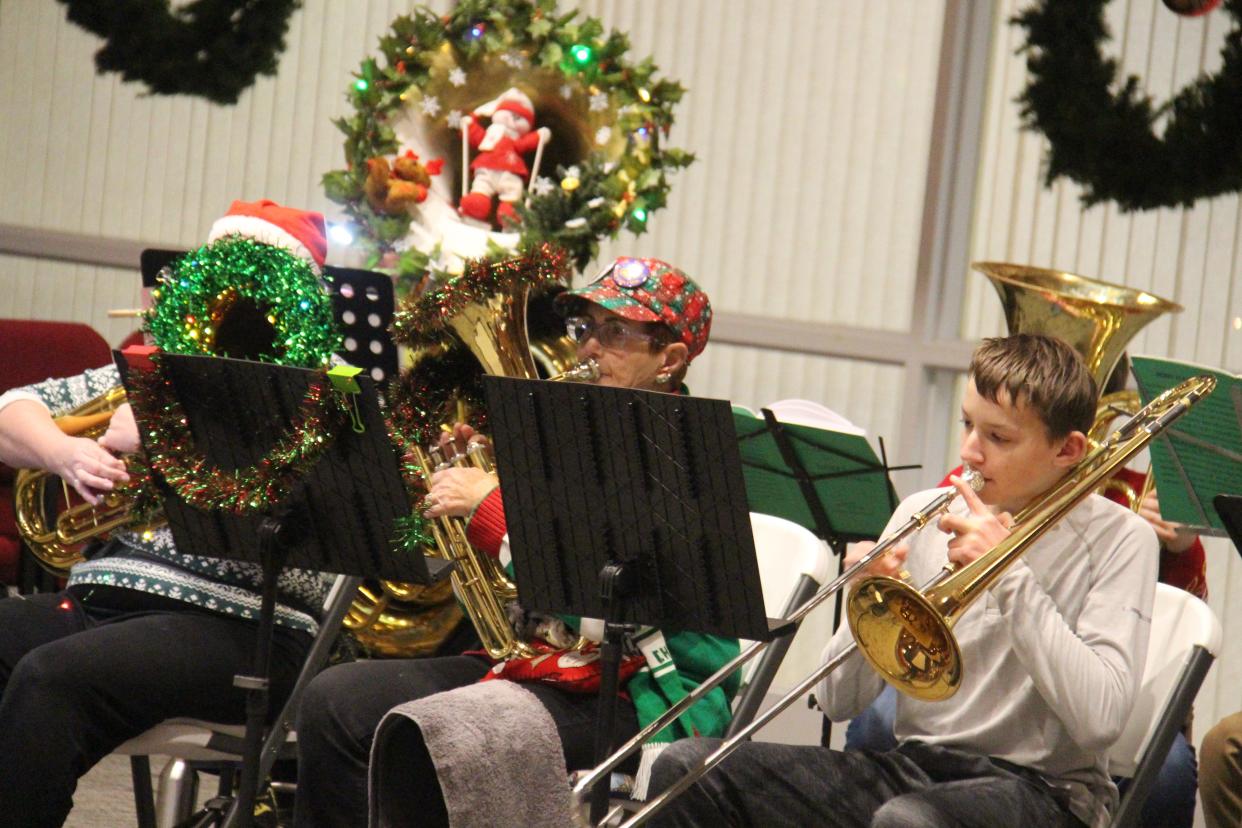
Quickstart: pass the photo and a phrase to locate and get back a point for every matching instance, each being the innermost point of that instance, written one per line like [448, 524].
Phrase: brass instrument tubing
[917, 521]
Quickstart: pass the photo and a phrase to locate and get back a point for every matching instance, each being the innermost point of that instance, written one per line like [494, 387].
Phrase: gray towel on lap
[494, 750]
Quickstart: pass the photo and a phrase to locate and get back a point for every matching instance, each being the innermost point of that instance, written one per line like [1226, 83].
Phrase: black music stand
[362, 303]
[337, 517]
[628, 506]
[1229, 507]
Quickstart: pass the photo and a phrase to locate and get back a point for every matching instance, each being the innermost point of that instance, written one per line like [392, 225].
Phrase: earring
[663, 378]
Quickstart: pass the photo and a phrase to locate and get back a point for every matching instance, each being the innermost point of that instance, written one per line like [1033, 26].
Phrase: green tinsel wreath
[210, 48]
[196, 290]
[1105, 141]
[571, 206]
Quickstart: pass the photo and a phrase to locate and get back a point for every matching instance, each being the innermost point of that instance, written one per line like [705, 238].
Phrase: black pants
[343, 705]
[80, 677]
[914, 786]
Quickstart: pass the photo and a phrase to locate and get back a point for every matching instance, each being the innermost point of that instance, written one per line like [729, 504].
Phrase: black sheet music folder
[594, 475]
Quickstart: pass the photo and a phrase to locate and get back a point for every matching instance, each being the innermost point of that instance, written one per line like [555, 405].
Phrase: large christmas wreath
[210, 48]
[605, 166]
[1106, 142]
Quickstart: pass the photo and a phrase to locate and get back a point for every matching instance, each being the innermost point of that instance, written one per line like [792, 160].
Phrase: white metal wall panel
[810, 121]
[42, 289]
[1191, 256]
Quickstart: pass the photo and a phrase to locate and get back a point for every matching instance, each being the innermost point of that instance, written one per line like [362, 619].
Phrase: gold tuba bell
[1097, 319]
[56, 541]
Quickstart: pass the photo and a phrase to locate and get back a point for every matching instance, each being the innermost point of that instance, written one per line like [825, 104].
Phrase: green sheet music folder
[842, 470]
[1199, 456]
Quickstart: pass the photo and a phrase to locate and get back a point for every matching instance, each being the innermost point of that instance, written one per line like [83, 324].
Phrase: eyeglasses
[611, 332]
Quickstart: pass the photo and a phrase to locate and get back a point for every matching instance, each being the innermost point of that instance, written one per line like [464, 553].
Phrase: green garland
[613, 187]
[197, 289]
[210, 48]
[1105, 141]
[170, 449]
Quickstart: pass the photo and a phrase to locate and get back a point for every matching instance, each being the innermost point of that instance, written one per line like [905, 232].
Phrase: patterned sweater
[150, 562]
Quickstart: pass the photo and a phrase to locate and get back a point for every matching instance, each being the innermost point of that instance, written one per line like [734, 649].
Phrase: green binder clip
[344, 380]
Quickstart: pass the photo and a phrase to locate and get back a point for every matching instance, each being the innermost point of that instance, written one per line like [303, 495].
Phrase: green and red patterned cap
[650, 290]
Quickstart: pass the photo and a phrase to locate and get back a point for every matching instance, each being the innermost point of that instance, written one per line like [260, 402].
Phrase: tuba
[486, 335]
[56, 540]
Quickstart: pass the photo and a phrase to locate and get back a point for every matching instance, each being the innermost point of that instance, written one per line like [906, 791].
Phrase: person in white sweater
[1052, 654]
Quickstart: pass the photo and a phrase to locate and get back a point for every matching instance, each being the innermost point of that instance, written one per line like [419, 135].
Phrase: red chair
[30, 351]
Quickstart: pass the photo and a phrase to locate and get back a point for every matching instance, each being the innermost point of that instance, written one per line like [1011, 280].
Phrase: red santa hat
[301, 232]
[512, 99]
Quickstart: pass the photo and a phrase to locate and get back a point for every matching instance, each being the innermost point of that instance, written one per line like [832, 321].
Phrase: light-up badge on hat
[631, 273]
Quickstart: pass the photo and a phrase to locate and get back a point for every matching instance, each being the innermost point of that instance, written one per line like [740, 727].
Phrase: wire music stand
[337, 516]
[628, 506]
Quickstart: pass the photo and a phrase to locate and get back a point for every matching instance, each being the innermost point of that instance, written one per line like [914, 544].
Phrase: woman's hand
[88, 467]
[1170, 538]
[456, 492]
[460, 439]
[974, 533]
[122, 434]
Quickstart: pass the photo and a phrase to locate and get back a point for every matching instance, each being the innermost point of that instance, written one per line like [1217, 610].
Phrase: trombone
[917, 521]
[906, 633]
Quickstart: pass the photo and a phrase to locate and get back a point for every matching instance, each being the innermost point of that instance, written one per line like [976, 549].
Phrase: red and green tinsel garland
[422, 320]
[172, 455]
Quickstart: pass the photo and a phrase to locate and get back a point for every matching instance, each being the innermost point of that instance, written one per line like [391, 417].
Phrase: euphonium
[56, 542]
[392, 618]
[480, 584]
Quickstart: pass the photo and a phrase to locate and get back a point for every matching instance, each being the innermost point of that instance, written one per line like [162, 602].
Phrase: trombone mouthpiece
[973, 479]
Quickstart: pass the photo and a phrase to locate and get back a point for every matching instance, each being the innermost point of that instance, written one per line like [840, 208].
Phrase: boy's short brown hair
[1042, 372]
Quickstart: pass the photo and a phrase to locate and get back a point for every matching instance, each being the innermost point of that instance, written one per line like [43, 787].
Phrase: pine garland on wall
[213, 49]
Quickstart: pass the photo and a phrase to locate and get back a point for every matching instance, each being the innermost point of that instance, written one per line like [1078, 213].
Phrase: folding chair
[793, 564]
[1185, 637]
[194, 745]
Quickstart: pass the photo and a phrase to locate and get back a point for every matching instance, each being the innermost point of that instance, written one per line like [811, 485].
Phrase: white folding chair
[192, 743]
[1185, 637]
[793, 564]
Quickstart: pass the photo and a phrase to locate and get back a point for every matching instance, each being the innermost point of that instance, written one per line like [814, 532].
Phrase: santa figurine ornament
[499, 170]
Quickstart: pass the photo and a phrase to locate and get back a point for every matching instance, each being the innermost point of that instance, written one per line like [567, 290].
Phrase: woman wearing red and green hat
[643, 321]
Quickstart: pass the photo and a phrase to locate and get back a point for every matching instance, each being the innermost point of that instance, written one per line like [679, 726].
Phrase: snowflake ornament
[431, 106]
[457, 76]
[599, 101]
[515, 60]
[567, 91]
[453, 118]
[602, 135]
[542, 186]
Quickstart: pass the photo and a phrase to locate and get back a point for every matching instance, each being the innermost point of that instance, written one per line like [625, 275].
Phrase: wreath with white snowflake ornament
[604, 169]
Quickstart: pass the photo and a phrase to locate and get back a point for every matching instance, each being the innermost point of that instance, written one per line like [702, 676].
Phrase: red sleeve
[1186, 571]
[475, 133]
[955, 473]
[527, 142]
[487, 527]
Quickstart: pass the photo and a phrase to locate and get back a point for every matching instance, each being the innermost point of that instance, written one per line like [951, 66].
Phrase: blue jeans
[1171, 803]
